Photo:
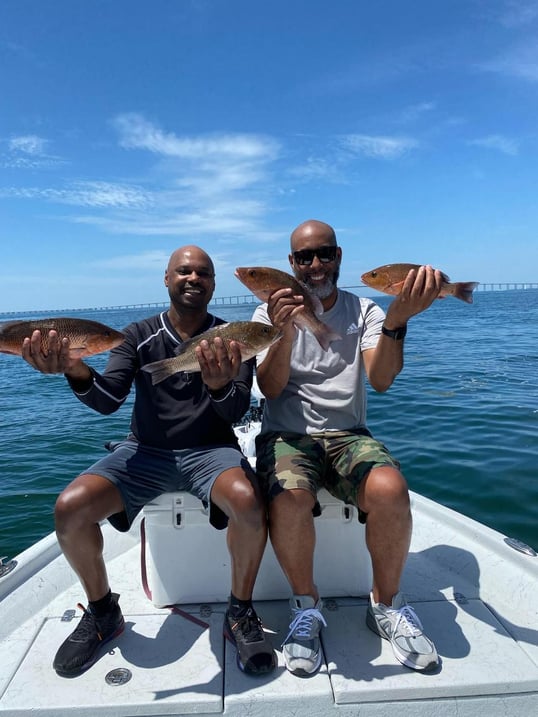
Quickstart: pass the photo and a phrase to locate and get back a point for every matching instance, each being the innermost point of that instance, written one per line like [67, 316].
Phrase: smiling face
[190, 278]
[315, 259]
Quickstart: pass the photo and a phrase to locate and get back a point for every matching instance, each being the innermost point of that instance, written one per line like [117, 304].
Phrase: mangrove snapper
[86, 337]
[390, 278]
[252, 337]
[263, 281]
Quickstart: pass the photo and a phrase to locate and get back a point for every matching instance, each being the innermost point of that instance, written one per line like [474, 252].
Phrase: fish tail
[464, 290]
[159, 370]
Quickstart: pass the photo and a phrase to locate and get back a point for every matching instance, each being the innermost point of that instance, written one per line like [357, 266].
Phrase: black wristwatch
[396, 334]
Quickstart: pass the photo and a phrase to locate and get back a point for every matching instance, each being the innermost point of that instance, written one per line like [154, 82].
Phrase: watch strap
[396, 334]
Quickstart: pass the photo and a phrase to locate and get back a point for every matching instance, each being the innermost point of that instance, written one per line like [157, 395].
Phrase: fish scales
[390, 278]
[252, 337]
[86, 337]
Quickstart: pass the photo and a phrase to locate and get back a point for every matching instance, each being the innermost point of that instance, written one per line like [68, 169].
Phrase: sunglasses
[305, 257]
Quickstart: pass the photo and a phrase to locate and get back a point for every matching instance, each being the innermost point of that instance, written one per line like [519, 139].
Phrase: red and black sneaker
[81, 649]
[255, 654]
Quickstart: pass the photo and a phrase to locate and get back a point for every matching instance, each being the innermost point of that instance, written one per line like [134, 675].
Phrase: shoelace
[250, 627]
[408, 622]
[87, 626]
[301, 625]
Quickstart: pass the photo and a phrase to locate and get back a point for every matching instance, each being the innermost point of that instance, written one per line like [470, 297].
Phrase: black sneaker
[255, 654]
[80, 650]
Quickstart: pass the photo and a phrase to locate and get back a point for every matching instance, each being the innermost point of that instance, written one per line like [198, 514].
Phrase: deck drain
[119, 676]
[205, 610]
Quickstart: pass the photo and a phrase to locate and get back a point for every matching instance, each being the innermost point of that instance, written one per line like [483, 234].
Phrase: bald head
[312, 229]
[190, 278]
[191, 255]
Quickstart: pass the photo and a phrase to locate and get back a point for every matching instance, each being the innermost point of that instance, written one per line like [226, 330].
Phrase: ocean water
[462, 418]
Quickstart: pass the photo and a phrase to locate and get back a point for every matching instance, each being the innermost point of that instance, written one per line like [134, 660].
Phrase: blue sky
[128, 129]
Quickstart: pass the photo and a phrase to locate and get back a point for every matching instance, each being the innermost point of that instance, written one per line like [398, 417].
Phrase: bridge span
[238, 300]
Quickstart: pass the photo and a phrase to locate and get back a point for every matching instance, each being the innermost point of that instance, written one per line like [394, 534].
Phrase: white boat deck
[475, 596]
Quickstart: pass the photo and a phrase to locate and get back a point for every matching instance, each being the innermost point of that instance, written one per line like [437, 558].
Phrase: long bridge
[242, 300]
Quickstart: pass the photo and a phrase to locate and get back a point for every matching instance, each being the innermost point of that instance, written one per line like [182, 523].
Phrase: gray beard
[322, 291]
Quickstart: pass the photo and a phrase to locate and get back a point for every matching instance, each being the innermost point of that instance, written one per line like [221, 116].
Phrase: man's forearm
[274, 372]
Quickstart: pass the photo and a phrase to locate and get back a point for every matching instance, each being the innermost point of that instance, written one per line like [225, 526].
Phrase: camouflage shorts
[335, 460]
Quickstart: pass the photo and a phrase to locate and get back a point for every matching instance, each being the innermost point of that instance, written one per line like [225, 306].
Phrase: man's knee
[69, 508]
[384, 485]
[239, 498]
[88, 499]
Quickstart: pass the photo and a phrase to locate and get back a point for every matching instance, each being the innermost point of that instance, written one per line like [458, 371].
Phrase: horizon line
[250, 299]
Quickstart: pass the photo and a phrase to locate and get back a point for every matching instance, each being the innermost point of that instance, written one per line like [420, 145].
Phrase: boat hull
[473, 593]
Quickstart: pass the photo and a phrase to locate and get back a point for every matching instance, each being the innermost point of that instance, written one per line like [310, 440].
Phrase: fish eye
[374, 274]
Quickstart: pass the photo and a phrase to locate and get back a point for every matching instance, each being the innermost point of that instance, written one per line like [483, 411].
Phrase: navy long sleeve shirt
[177, 413]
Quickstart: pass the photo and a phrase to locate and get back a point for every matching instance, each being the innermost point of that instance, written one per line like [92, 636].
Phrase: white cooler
[188, 560]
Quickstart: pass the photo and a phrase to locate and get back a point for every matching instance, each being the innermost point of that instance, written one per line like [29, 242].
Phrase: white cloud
[520, 62]
[87, 194]
[28, 152]
[138, 133]
[317, 168]
[378, 147]
[239, 218]
[221, 185]
[498, 142]
[28, 144]
[414, 112]
[215, 184]
[145, 260]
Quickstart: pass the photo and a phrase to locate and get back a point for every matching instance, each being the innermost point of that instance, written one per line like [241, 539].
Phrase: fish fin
[317, 306]
[325, 335]
[11, 352]
[393, 289]
[464, 290]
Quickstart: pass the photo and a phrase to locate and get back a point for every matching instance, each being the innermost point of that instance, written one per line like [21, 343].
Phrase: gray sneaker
[400, 625]
[301, 648]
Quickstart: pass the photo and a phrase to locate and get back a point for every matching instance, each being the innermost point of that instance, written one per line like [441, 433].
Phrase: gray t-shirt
[326, 389]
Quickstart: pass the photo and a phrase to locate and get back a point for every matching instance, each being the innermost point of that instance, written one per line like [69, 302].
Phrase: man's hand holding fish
[56, 359]
[420, 289]
[219, 364]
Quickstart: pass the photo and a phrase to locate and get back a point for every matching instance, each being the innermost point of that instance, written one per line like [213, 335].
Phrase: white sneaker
[302, 648]
[400, 625]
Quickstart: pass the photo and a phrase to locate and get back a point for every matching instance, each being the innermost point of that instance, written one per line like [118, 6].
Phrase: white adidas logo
[352, 329]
